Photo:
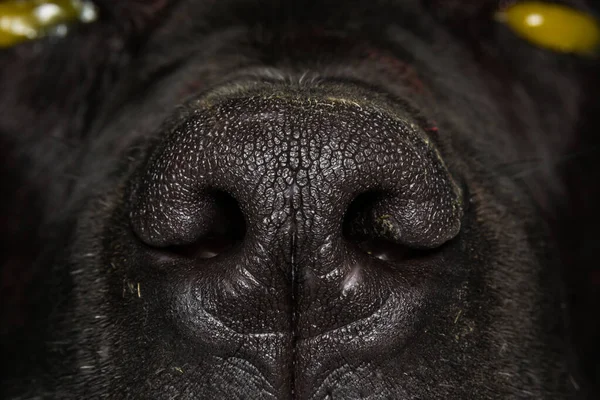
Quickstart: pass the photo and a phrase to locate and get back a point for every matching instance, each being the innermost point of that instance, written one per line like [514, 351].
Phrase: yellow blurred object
[553, 26]
[22, 20]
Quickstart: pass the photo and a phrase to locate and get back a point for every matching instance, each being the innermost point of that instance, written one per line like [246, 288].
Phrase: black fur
[100, 294]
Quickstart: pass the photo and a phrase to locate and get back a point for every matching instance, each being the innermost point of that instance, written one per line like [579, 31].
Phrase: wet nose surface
[299, 215]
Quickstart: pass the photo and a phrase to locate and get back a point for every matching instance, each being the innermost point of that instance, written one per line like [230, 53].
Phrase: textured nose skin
[300, 163]
[305, 184]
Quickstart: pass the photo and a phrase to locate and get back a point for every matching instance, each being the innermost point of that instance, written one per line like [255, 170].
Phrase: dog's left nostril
[372, 225]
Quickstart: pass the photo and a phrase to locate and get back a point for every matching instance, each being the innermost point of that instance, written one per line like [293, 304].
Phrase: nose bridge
[301, 181]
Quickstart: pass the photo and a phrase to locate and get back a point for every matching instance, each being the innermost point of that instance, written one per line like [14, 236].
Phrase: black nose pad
[203, 225]
[273, 171]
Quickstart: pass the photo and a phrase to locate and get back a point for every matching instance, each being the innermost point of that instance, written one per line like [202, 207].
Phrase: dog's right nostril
[226, 230]
[201, 225]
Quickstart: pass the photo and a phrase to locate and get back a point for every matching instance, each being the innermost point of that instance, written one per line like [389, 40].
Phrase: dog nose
[298, 194]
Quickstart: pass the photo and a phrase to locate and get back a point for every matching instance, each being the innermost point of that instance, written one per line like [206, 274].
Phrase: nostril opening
[368, 229]
[226, 231]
